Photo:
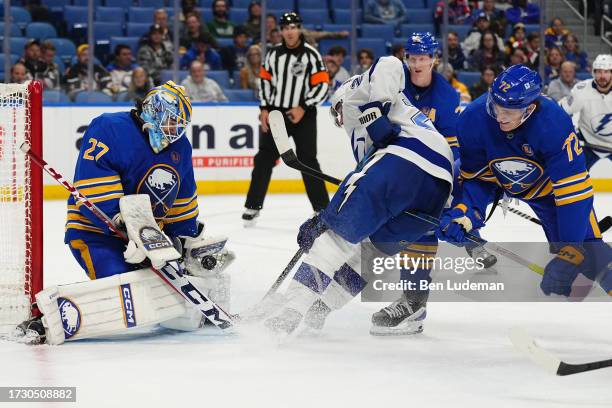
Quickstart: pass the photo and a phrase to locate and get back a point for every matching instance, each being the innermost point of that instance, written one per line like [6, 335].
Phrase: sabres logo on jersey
[602, 124]
[516, 174]
[162, 184]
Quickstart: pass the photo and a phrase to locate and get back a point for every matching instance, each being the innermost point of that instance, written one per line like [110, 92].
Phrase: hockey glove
[561, 272]
[379, 127]
[205, 255]
[456, 223]
[309, 231]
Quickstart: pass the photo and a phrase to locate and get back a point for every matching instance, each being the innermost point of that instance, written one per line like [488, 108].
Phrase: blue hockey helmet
[421, 44]
[516, 87]
[166, 111]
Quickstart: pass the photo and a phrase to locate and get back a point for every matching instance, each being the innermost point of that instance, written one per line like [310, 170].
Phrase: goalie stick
[523, 342]
[281, 139]
[171, 273]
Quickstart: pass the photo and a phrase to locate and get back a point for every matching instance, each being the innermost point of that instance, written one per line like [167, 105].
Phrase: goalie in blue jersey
[515, 139]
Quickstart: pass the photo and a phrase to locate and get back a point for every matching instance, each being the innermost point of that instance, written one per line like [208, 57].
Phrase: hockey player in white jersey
[592, 100]
[411, 169]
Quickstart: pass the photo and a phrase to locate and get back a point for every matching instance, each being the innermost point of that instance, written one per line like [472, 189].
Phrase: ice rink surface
[463, 358]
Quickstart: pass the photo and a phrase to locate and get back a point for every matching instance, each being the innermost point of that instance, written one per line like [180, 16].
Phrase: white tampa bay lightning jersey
[419, 141]
[595, 111]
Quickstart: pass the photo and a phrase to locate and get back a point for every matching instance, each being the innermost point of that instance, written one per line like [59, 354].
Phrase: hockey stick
[171, 273]
[596, 147]
[604, 224]
[281, 138]
[524, 343]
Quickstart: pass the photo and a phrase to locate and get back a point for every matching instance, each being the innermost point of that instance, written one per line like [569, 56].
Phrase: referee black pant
[304, 135]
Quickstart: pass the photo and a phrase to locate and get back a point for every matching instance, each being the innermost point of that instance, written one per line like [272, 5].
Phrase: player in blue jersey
[515, 138]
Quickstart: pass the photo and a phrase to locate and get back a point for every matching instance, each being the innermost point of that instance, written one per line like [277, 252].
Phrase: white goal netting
[15, 207]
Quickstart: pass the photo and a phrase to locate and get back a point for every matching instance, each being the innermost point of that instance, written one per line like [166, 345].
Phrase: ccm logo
[157, 245]
[129, 314]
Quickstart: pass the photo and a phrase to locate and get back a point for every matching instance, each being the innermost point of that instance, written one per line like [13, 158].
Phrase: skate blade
[400, 330]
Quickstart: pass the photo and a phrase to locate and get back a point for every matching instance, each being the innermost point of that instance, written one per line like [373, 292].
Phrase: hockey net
[20, 202]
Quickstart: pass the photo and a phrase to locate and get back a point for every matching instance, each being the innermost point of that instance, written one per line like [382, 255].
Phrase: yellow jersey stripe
[82, 247]
[90, 191]
[182, 209]
[594, 225]
[535, 190]
[80, 218]
[184, 201]
[102, 198]
[96, 180]
[75, 225]
[573, 188]
[570, 179]
[574, 198]
[191, 214]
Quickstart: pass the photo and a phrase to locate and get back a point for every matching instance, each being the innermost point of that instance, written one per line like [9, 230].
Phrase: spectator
[275, 38]
[233, 56]
[523, 12]
[140, 85]
[253, 23]
[487, 75]
[18, 73]
[76, 75]
[398, 51]
[314, 36]
[455, 54]
[338, 53]
[494, 15]
[562, 86]
[202, 89]
[458, 13]
[188, 7]
[153, 55]
[533, 50]
[32, 60]
[572, 53]
[121, 69]
[270, 26]
[472, 41]
[202, 51]
[365, 59]
[249, 74]
[160, 18]
[518, 39]
[554, 59]
[448, 72]
[518, 56]
[385, 12]
[488, 53]
[555, 34]
[52, 76]
[220, 26]
[337, 73]
[193, 30]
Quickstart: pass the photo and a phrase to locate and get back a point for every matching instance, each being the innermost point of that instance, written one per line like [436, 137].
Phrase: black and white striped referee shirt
[293, 77]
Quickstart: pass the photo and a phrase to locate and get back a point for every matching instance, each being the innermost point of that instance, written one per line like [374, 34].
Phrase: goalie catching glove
[205, 256]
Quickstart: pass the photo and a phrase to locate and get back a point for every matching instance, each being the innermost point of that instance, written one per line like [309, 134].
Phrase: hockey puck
[208, 262]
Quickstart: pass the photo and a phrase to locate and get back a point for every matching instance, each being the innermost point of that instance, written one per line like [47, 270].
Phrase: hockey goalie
[136, 168]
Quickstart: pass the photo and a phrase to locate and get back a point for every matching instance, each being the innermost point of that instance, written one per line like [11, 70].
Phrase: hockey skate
[402, 317]
[248, 217]
[480, 252]
[31, 331]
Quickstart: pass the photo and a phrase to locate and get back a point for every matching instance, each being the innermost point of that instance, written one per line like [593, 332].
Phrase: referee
[294, 81]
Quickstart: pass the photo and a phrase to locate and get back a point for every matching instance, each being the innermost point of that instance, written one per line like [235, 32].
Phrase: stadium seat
[583, 75]
[50, 96]
[431, 4]
[92, 97]
[377, 45]
[281, 4]
[167, 74]
[132, 42]
[137, 29]
[84, 3]
[532, 28]
[206, 13]
[220, 77]
[240, 95]
[41, 31]
[312, 4]
[224, 42]
[236, 78]
[408, 29]
[64, 48]
[116, 3]
[75, 15]
[337, 27]
[208, 3]
[20, 16]
[104, 31]
[111, 14]
[420, 16]
[315, 16]
[326, 44]
[15, 30]
[54, 4]
[460, 29]
[239, 15]
[14, 58]
[60, 63]
[344, 16]
[345, 4]
[17, 44]
[152, 3]
[383, 31]
[468, 78]
[122, 96]
[236, 3]
[141, 15]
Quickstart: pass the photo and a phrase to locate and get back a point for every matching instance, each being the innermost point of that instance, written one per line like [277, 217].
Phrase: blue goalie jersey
[116, 160]
[541, 162]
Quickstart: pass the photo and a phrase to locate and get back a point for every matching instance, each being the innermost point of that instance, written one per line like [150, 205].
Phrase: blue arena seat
[92, 96]
[141, 15]
[75, 15]
[281, 4]
[532, 28]
[236, 3]
[377, 45]
[312, 4]
[384, 31]
[345, 4]
[342, 16]
[104, 31]
[468, 78]
[326, 44]
[166, 75]
[240, 95]
[132, 42]
[117, 3]
[220, 77]
[60, 63]
[15, 30]
[460, 29]
[420, 16]
[224, 42]
[152, 3]
[64, 48]
[20, 16]
[239, 15]
[55, 96]
[84, 3]
[408, 29]
[315, 16]
[583, 75]
[111, 14]
[13, 59]
[41, 31]
[54, 4]
[338, 27]
[17, 44]
[137, 29]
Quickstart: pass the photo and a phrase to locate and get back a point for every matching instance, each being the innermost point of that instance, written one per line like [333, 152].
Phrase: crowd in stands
[494, 34]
